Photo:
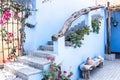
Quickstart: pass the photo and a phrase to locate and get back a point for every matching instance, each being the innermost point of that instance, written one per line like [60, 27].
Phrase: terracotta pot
[89, 61]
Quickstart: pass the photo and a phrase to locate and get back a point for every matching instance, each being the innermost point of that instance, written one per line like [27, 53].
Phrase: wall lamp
[115, 23]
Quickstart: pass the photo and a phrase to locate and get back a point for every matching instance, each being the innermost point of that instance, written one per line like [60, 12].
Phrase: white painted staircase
[30, 67]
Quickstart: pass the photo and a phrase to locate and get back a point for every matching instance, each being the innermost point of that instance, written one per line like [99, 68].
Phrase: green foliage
[95, 25]
[13, 9]
[55, 73]
[77, 37]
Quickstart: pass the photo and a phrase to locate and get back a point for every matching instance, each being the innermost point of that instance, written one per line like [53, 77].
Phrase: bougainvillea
[6, 35]
[9, 12]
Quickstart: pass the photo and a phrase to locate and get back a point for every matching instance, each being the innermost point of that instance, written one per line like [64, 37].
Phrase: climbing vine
[9, 10]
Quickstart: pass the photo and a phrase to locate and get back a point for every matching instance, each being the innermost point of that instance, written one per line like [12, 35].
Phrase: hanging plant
[77, 36]
[95, 25]
[96, 22]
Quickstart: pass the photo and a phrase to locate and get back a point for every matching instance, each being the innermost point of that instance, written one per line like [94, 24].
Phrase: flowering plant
[12, 10]
[55, 72]
[6, 35]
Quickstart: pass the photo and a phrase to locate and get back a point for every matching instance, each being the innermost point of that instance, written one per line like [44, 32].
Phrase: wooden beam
[72, 18]
[109, 28]
[114, 8]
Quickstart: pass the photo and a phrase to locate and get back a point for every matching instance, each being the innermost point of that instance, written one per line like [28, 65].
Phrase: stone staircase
[30, 66]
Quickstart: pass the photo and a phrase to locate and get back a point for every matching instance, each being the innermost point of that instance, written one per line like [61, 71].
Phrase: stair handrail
[72, 18]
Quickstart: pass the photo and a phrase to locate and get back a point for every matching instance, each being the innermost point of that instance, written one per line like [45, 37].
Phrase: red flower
[51, 68]
[52, 59]
[8, 58]
[64, 72]
[19, 48]
[69, 75]
[48, 58]
[11, 57]
[4, 61]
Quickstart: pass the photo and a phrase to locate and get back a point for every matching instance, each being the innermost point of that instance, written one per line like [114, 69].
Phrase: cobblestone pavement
[5, 75]
[110, 71]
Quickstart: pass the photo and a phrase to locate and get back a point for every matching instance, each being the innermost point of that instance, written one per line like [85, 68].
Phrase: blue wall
[93, 45]
[50, 18]
[115, 33]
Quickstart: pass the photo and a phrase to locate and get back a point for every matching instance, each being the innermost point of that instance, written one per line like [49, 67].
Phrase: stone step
[42, 54]
[67, 43]
[23, 71]
[50, 43]
[36, 62]
[46, 47]
[5, 75]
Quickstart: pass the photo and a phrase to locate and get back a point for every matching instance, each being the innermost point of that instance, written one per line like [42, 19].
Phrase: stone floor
[5, 75]
[110, 71]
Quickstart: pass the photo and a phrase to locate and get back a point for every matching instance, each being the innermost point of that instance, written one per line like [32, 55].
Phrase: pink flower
[52, 59]
[8, 58]
[64, 72]
[6, 15]
[48, 58]
[59, 74]
[1, 22]
[7, 42]
[16, 16]
[10, 35]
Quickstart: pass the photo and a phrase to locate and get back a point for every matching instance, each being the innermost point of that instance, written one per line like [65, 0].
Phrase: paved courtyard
[110, 71]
